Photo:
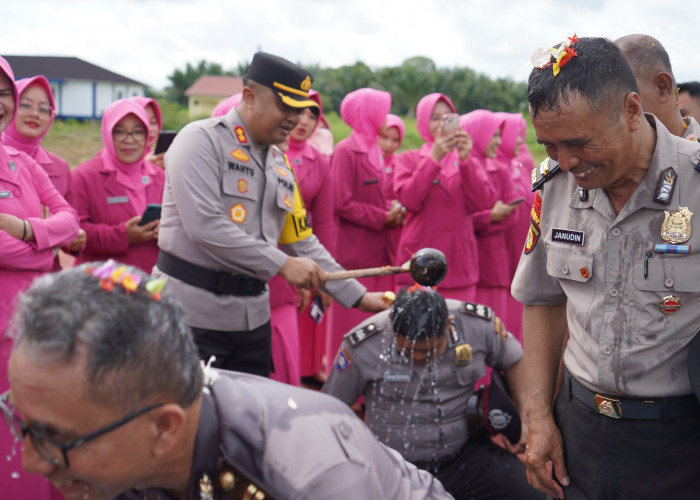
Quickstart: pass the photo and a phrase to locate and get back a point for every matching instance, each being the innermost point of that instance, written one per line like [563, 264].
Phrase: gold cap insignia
[306, 84]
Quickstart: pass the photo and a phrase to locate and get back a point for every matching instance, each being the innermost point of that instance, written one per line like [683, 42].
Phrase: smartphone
[165, 139]
[450, 124]
[516, 201]
[151, 213]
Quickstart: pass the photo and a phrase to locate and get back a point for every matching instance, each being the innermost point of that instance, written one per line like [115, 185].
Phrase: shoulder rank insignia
[454, 336]
[546, 171]
[463, 354]
[240, 134]
[500, 328]
[206, 488]
[533, 235]
[665, 186]
[478, 310]
[358, 336]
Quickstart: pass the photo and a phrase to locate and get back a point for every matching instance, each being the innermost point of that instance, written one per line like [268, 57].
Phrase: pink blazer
[24, 189]
[439, 212]
[360, 207]
[103, 205]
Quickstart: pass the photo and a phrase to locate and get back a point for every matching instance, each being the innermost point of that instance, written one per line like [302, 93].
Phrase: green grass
[78, 142]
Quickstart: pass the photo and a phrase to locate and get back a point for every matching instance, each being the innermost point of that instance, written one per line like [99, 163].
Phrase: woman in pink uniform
[485, 128]
[34, 117]
[111, 191]
[511, 143]
[298, 343]
[441, 186]
[28, 241]
[155, 125]
[390, 141]
[362, 210]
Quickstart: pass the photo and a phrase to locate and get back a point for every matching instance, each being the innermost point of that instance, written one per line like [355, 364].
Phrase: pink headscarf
[524, 155]
[395, 121]
[512, 123]
[481, 125]
[144, 102]
[128, 174]
[7, 71]
[365, 110]
[423, 111]
[226, 104]
[11, 136]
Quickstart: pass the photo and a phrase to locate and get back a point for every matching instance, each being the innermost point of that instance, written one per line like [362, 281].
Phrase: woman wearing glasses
[111, 191]
[34, 117]
[28, 240]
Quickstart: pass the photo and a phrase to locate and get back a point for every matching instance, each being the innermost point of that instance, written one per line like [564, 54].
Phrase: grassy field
[78, 142]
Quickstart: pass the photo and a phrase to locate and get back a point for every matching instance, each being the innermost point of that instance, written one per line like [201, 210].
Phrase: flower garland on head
[110, 275]
[561, 53]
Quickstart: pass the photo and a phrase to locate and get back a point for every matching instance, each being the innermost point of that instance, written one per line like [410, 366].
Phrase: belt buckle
[610, 407]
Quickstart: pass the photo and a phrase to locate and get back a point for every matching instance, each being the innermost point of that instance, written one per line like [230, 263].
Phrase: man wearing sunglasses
[108, 398]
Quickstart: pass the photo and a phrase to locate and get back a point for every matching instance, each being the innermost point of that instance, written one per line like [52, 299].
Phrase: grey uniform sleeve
[193, 170]
[345, 377]
[502, 349]
[346, 292]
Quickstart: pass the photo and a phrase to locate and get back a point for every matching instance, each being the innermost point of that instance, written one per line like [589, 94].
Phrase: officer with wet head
[416, 366]
[108, 397]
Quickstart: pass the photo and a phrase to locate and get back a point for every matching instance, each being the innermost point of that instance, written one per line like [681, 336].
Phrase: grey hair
[139, 347]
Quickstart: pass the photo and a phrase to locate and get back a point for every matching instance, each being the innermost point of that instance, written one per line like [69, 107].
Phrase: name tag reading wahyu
[116, 200]
[568, 236]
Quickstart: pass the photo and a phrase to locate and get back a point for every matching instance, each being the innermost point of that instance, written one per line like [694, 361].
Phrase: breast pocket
[238, 185]
[667, 298]
[574, 269]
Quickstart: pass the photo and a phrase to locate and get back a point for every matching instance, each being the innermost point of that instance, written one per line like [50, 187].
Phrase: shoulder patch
[500, 328]
[358, 336]
[533, 234]
[545, 172]
[478, 310]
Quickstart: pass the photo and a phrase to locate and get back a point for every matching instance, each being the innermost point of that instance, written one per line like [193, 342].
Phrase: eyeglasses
[49, 448]
[139, 135]
[44, 111]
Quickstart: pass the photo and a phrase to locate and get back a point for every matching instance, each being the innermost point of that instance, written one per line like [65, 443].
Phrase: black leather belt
[640, 408]
[216, 282]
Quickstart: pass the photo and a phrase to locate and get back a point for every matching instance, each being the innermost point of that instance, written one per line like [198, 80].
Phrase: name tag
[397, 377]
[5, 194]
[568, 236]
[116, 200]
[371, 181]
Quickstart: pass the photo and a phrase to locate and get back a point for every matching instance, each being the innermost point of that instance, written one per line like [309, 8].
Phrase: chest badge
[463, 355]
[242, 186]
[239, 154]
[669, 304]
[676, 227]
[238, 213]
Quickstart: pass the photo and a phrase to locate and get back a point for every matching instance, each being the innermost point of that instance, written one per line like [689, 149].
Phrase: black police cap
[288, 81]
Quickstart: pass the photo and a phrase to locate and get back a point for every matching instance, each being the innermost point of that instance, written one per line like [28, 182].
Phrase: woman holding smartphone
[112, 190]
[441, 186]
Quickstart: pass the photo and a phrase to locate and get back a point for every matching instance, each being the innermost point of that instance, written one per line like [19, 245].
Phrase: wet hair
[693, 88]
[645, 55]
[419, 313]
[138, 347]
[599, 73]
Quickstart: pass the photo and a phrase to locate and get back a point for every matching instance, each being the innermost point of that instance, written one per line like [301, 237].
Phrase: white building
[81, 90]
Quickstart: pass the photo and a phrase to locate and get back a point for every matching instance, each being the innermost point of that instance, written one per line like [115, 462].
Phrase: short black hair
[599, 73]
[693, 88]
[419, 313]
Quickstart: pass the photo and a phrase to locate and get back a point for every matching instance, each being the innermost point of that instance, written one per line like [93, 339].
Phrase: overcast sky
[146, 40]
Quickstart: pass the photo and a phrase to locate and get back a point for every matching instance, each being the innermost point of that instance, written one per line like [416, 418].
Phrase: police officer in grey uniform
[657, 86]
[416, 366]
[233, 217]
[109, 396]
[610, 255]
